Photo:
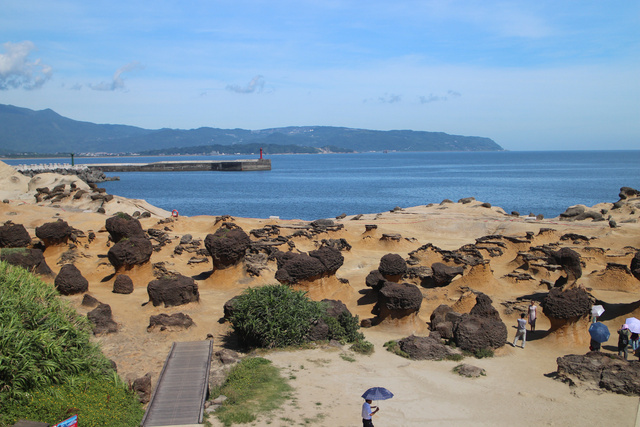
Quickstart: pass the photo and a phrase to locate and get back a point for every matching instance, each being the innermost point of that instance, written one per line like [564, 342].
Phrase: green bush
[277, 316]
[456, 357]
[362, 347]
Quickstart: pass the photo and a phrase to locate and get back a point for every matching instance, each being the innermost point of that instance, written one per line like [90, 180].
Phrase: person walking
[367, 413]
[624, 338]
[521, 333]
[532, 315]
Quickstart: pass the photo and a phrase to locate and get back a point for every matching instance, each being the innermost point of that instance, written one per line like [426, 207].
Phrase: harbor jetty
[164, 166]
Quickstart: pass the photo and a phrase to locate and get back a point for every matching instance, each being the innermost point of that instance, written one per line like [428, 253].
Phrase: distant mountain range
[27, 131]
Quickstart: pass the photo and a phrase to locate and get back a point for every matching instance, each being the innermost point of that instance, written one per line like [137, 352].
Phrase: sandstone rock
[295, 267]
[70, 281]
[635, 265]
[483, 307]
[375, 280]
[335, 308]
[566, 304]
[227, 246]
[172, 323]
[473, 333]
[173, 291]
[392, 267]
[130, 252]
[469, 371]
[424, 348]
[142, 387]
[89, 301]
[229, 306]
[54, 233]
[29, 259]
[102, 318]
[14, 236]
[570, 262]
[123, 284]
[601, 370]
[123, 226]
[330, 258]
[444, 274]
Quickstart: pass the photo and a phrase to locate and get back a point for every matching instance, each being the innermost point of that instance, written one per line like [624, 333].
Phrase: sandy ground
[517, 388]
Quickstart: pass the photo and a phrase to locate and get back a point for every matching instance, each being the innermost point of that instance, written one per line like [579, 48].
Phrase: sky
[531, 75]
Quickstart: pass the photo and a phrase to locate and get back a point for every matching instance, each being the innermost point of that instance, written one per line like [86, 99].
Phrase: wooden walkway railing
[182, 387]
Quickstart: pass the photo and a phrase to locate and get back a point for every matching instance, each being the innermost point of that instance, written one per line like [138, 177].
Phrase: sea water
[317, 186]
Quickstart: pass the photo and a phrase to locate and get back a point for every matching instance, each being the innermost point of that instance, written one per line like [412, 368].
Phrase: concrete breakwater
[168, 166]
[187, 166]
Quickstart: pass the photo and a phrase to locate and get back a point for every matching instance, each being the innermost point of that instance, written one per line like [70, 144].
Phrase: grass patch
[393, 347]
[253, 386]
[346, 357]
[482, 353]
[49, 369]
[456, 357]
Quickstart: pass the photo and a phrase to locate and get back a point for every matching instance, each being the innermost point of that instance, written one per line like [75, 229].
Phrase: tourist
[594, 345]
[624, 338]
[635, 341]
[521, 333]
[367, 414]
[532, 316]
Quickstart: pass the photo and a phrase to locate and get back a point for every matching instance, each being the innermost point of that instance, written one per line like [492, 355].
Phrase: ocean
[317, 186]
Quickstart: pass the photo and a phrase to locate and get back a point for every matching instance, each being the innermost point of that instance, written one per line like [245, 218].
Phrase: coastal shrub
[253, 386]
[363, 347]
[456, 357]
[45, 348]
[483, 352]
[277, 316]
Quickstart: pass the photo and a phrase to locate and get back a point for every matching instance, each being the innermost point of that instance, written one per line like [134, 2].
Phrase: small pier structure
[183, 386]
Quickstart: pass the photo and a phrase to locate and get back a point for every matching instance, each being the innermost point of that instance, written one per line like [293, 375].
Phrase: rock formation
[227, 246]
[70, 281]
[14, 236]
[172, 291]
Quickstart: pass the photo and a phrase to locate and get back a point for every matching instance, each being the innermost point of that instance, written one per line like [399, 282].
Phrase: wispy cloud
[256, 85]
[17, 71]
[435, 98]
[117, 82]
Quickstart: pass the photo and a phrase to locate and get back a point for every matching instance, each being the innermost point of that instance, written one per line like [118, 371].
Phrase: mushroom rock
[130, 252]
[294, 267]
[29, 259]
[570, 262]
[227, 246]
[397, 301]
[392, 267]
[568, 311]
[173, 291]
[14, 236]
[70, 281]
[54, 233]
[481, 328]
[123, 226]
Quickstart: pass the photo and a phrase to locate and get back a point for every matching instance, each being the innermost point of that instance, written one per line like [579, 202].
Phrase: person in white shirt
[522, 331]
[532, 316]
[367, 414]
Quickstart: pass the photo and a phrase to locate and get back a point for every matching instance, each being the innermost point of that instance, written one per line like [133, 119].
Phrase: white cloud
[16, 70]
[117, 82]
[255, 85]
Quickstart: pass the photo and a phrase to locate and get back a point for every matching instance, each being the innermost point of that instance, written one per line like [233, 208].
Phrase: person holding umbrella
[377, 393]
[367, 413]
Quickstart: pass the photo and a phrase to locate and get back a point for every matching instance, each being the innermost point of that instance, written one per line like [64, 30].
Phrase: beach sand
[517, 389]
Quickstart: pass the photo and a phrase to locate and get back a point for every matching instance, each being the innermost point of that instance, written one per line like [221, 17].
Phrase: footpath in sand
[517, 389]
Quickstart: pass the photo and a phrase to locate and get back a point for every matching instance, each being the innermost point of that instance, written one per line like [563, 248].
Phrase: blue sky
[532, 75]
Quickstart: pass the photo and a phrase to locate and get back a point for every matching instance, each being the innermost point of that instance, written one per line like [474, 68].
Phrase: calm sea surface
[316, 186]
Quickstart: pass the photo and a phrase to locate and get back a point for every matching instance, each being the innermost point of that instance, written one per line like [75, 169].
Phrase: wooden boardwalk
[182, 387]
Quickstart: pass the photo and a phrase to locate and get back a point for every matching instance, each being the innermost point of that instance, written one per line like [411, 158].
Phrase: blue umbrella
[377, 393]
[599, 332]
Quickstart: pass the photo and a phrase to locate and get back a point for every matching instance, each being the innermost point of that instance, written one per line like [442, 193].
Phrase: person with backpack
[624, 338]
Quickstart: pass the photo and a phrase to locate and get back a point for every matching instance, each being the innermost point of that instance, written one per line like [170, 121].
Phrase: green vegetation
[362, 347]
[276, 316]
[253, 386]
[49, 369]
[393, 347]
[482, 353]
[456, 357]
